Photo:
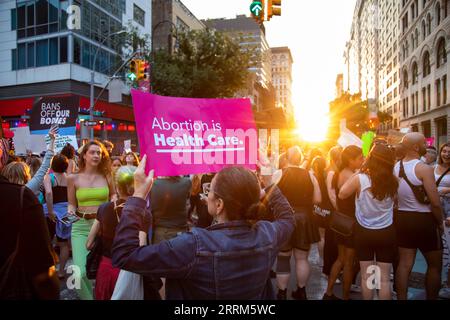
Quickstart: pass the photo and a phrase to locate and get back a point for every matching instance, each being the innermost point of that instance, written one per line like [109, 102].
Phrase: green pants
[80, 232]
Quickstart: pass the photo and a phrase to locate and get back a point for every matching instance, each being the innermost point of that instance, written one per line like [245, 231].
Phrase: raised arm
[35, 183]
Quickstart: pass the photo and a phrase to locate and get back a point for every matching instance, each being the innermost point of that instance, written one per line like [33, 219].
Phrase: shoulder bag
[419, 191]
[339, 222]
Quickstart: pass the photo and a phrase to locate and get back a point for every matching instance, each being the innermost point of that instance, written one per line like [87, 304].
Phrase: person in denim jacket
[230, 260]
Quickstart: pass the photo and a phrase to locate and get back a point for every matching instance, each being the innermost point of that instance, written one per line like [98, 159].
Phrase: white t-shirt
[406, 199]
[372, 213]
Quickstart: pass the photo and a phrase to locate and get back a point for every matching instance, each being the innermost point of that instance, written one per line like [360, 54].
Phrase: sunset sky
[316, 32]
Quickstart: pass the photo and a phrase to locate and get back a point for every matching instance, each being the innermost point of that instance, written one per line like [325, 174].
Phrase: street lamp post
[91, 104]
[169, 48]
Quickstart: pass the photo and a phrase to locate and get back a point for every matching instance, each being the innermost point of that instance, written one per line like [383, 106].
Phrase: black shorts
[305, 232]
[417, 230]
[379, 245]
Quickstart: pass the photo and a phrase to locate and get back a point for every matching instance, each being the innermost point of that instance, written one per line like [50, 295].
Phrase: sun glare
[313, 127]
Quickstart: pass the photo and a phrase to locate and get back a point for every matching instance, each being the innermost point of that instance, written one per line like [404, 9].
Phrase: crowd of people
[227, 235]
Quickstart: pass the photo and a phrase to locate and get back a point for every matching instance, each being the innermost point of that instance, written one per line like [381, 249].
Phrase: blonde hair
[124, 179]
[17, 172]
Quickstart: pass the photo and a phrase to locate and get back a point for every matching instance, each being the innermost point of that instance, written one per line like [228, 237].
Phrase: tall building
[169, 17]
[42, 57]
[371, 56]
[250, 35]
[425, 26]
[282, 78]
[389, 70]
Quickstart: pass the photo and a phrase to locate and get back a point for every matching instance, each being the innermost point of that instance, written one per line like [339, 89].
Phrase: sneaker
[355, 288]
[332, 297]
[300, 294]
[282, 294]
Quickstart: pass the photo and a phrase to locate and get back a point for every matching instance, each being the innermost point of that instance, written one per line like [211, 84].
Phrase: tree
[205, 64]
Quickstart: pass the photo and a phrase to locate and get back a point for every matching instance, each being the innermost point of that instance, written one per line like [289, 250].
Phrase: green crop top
[90, 197]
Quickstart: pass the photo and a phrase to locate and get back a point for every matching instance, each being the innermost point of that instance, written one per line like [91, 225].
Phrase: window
[444, 89]
[429, 97]
[437, 13]
[424, 99]
[14, 19]
[415, 73]
[22, 56]
[139, 15]
[424, 30]
[438, 93]
[53, 51]
[429, 24]
[30, 55]
[76, 50]
[426, 64]
[62, 49]
[417, 102]
[42, 53]
[441, 53]
[405, 79]
[14, 59]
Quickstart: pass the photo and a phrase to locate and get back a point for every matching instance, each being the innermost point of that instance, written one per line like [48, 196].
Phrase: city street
[224, 131]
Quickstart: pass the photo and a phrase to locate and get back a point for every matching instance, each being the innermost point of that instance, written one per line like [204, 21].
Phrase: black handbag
[419, 191]
[93, 258]
[342, 224]
[14, 282]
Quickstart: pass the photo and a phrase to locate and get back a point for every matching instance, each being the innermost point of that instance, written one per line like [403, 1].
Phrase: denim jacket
[226, 261]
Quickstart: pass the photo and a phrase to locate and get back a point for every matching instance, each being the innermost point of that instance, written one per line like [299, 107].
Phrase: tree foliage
[205, 64]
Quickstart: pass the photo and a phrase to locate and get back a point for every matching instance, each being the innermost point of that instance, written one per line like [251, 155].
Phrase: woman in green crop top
[87, 190]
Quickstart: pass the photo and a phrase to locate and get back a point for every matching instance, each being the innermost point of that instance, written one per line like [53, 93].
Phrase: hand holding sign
[142, 182]
[51, 138]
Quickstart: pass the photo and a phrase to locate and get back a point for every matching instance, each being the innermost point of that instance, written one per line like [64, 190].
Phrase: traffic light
[141, 70]
[273, 9]
[134, 66]
[258, 10]
[143, 73]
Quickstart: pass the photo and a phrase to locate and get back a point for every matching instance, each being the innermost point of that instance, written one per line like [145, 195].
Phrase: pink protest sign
[190, 136]
[430, 141]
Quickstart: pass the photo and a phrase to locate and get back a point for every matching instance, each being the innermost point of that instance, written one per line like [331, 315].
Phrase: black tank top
[297, 187]
[345, 206]
[59, 193]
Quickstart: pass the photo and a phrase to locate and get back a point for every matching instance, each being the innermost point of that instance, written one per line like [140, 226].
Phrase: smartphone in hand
[69, 219]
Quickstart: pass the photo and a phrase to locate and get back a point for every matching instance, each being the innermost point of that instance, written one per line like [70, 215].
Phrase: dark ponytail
[256, 211]
[239, 189]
